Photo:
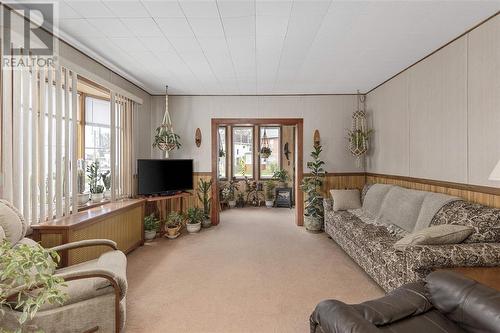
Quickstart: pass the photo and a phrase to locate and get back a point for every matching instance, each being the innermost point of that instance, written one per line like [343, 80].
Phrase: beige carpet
[255, 272]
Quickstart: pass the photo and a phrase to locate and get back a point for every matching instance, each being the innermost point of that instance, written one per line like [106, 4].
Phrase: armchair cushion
[114, 262]
[12, 222]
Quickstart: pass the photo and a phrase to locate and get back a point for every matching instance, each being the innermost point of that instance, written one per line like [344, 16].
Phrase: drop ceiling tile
[239, 26]
[274, 8]
[110, 27]
[272, 25]
[127, 8]
[90, 9]
[231, 8]
[163, 8]
[156, 44]
[78, 27]
[128, 44]
[66, 11]
[199, 8]
[206, 27]
[142, 27]
[175, 27]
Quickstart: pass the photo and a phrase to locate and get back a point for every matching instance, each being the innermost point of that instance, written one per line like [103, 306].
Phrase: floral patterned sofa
[389, 212]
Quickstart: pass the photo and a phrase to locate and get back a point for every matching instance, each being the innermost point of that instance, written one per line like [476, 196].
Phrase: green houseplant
[281, 176]
[165, 139]
[313, 210]
[203, 193]
[27, 281]
[232, 187]
[269, 193]
[151, 224]
[195, 216]
[95, 177]
[174, 223]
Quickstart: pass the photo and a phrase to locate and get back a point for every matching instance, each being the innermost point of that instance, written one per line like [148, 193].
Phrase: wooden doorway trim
[299, 165]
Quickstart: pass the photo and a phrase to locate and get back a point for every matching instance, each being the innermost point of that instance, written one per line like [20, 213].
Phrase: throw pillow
[436, 235]
[345, 199]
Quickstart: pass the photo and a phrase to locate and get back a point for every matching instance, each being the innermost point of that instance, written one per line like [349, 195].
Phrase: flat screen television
[164, 176]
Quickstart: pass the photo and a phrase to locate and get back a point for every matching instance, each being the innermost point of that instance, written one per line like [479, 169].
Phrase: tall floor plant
[313, 210]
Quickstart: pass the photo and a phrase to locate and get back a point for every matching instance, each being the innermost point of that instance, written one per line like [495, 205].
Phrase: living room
[250, 166]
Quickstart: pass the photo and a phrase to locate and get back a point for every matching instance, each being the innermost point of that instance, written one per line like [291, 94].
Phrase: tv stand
[162, 205]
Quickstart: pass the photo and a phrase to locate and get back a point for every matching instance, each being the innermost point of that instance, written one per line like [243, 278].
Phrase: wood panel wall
[339, 181]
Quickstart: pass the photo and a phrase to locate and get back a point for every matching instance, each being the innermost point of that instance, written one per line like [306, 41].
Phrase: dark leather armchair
[444, 302]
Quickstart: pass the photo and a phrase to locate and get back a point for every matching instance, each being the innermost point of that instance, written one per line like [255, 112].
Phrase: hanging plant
[359, 135]
[265, 152]
[222, 153]
[165, 138]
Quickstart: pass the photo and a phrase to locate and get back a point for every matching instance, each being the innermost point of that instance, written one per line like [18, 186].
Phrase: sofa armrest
[426, 258]
[406, 301]
[327, 204]
[334, 316]
[85, 243]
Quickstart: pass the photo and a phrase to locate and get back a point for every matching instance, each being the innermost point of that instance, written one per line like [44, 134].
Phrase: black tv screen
[164, 176]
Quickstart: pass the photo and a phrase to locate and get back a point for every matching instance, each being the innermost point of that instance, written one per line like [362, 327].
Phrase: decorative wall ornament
[165, 138]
[197, 137]
[316, 138]
[359, 135]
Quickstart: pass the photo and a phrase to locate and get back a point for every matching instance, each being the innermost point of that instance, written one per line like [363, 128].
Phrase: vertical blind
[40, 119]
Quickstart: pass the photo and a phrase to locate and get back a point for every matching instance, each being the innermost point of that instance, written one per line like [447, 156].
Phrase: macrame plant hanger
[358, 135]
[165, 138]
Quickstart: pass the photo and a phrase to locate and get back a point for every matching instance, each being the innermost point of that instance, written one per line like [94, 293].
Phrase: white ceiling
[263, 47]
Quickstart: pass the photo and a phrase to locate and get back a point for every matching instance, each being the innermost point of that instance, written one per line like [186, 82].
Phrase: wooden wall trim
[458, 186]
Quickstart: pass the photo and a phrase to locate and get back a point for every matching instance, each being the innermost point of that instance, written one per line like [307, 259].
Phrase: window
[269, 138]
[242, 141]
[98, 132]
[222, 144]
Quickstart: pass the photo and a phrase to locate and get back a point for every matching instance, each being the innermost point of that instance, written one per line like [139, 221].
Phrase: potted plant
[106, 180]
[269, 193]
[232, 187]
[282, 177]
[265, 152]
[174, 223]
[313, 210]
[241, 200]
[96, 189]
[82, 197]
[194, 218]
[151, 224]
[204, 196]
[165, 139]
[23, 267]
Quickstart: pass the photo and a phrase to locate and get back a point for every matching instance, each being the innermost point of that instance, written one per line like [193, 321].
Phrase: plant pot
[232, 203]
[149, 234]
[82, 198]
[282, 184]
[97, 197]
[207, 223]
[107, 194]
[313, 224]
[193, 227]
[269, 203]
[172, 231]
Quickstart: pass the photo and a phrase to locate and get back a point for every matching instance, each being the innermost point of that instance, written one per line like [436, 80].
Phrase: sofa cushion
[435, 235]
[12, 222]
[345, 199]
[484, 220]
[402, 207]
[374, 197]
